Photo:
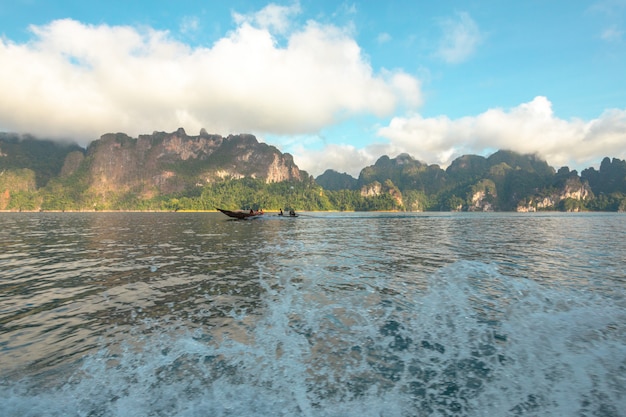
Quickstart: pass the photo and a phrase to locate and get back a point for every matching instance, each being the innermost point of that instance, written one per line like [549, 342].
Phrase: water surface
[327, 314]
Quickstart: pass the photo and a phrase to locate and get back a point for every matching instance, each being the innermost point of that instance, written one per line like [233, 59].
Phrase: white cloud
[528, 128]
[383, 37]
[461, 36]
[611, 13]
[189, 25]
[273, 17]
[80, 81]
[609, 8]
[341, 158]
[612, 34]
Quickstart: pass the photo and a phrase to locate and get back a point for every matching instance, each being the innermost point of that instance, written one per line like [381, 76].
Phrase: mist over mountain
[44, 157]
[173, 171]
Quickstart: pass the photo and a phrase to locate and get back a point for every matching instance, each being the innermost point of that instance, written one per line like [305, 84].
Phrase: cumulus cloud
[273, 17]
[340, 157]
[460, 38]
[80, 81]
[528, 128]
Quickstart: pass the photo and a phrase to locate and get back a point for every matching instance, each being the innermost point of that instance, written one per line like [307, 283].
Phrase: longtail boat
[242, 214]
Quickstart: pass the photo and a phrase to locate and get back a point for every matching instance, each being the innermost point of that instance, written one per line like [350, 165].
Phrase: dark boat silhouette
[242, 214]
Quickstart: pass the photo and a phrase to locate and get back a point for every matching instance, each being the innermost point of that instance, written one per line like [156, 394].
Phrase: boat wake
[472, 342]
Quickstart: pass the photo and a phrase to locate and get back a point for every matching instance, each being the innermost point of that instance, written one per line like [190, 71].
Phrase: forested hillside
[174, 171]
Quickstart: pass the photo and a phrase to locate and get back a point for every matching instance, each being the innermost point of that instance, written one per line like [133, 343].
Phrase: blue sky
[336, 84]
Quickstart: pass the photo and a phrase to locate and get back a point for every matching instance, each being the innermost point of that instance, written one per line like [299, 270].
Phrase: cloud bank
[79, 81]
[530, 127]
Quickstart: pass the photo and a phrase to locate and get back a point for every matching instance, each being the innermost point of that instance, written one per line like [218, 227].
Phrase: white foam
[474, 342]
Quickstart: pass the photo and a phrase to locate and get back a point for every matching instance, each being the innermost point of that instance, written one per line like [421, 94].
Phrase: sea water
[327, 314]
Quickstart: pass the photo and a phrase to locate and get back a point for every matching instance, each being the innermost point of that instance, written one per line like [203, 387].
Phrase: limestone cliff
[179, 171]
[13, 183]
[164, 163]
[376, 189]
[568, 198]
[483, 196]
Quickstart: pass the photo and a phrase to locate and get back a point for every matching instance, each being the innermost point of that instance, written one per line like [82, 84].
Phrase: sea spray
[474, 343]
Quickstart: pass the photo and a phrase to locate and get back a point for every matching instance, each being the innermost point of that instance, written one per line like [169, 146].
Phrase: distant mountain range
[172, 171]
[503, 181]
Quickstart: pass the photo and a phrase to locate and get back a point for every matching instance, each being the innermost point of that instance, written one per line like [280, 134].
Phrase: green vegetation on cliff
[173, 171]
[44, 157]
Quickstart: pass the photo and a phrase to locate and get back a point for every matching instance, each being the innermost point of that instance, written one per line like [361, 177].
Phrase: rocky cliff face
[12, 183]
[483, 196]
[376, 189]
[121, 172]
[171, 162]
[573, 190]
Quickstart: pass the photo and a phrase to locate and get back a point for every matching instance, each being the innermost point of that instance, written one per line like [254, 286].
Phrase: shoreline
[305, 211]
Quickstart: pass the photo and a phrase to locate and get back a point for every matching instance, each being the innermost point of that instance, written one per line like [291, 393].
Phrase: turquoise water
[327, 314]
